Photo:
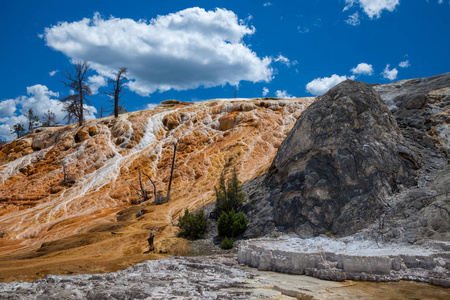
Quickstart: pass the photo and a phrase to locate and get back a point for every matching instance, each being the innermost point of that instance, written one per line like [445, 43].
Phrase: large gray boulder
[343, 158]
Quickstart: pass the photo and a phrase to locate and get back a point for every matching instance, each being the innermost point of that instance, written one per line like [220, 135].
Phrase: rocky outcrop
[344, 156]
[421, 108]
[346, 260]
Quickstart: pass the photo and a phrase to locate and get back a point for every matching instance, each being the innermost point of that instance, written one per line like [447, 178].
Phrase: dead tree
[141, 191]
[171, 169]
[118, 84]
[101, 111]
[158, 197]
[76, 81]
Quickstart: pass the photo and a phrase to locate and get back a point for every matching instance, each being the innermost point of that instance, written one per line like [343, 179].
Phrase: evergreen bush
[193, 226]
[227, 244]
[232, 224]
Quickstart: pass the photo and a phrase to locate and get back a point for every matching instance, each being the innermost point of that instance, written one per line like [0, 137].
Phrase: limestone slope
[91, 217]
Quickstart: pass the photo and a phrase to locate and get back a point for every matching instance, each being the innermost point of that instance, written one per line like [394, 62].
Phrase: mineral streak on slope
[103, 157]
[12, 168]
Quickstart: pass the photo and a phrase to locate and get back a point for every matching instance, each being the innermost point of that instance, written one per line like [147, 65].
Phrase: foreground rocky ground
[208, 277]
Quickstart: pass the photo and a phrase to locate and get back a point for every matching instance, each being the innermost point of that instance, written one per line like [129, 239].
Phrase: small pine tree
[229, 196]
[33, 120]
[18, 130]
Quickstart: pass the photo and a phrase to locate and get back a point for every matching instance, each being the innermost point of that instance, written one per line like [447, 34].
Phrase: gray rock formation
[347, 260]
[421, 108]
[344, 156]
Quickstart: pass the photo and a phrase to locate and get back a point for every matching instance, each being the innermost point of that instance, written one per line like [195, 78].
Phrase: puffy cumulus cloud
[179, 51]
[265, 91]
[53, 73]
[7, 108]
[390, 74]
[95, 82]
[404, 64]
[362, 69]
[353, 19]
[40, 99]
[283, 94]
[320, 86]
[373, 8]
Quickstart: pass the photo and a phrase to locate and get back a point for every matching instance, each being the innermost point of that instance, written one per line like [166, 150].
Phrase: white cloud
[373, 8]
[267, 4]
[404, 64]
[95, 82]
[349, 4]
[40, 99]
[179, 51]
[362, 69]
[151, 106]
[353, 19]
[390, 74]
[303, 29]
[285, 61]
[282, 59]
[265, 91]
[7, 108]
[283, 94]
[320, 86]
[53, 73]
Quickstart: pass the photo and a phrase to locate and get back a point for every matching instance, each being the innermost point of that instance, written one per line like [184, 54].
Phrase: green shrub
[231, 224]
[227, 244]
[229, 195]
[193, 226]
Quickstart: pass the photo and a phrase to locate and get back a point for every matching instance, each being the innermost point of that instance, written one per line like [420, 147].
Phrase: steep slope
[56, 222]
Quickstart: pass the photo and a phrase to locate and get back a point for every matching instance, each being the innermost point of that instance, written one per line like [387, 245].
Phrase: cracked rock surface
[343, 157]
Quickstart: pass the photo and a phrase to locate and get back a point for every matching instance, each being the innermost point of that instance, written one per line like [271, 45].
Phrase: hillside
[93, 222]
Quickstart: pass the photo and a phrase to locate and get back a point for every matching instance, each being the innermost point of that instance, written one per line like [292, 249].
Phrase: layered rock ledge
[348, 259]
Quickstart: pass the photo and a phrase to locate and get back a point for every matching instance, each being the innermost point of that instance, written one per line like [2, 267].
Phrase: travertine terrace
[93, 214]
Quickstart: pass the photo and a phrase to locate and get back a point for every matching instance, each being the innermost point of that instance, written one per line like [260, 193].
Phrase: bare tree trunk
[154, 186]
[171, 170]
[81, 117]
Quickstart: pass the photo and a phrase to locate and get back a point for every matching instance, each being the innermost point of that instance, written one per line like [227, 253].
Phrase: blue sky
[196, 50]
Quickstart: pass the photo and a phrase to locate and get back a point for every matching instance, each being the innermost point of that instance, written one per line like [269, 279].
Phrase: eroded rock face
[338, 260]
[343, 157]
